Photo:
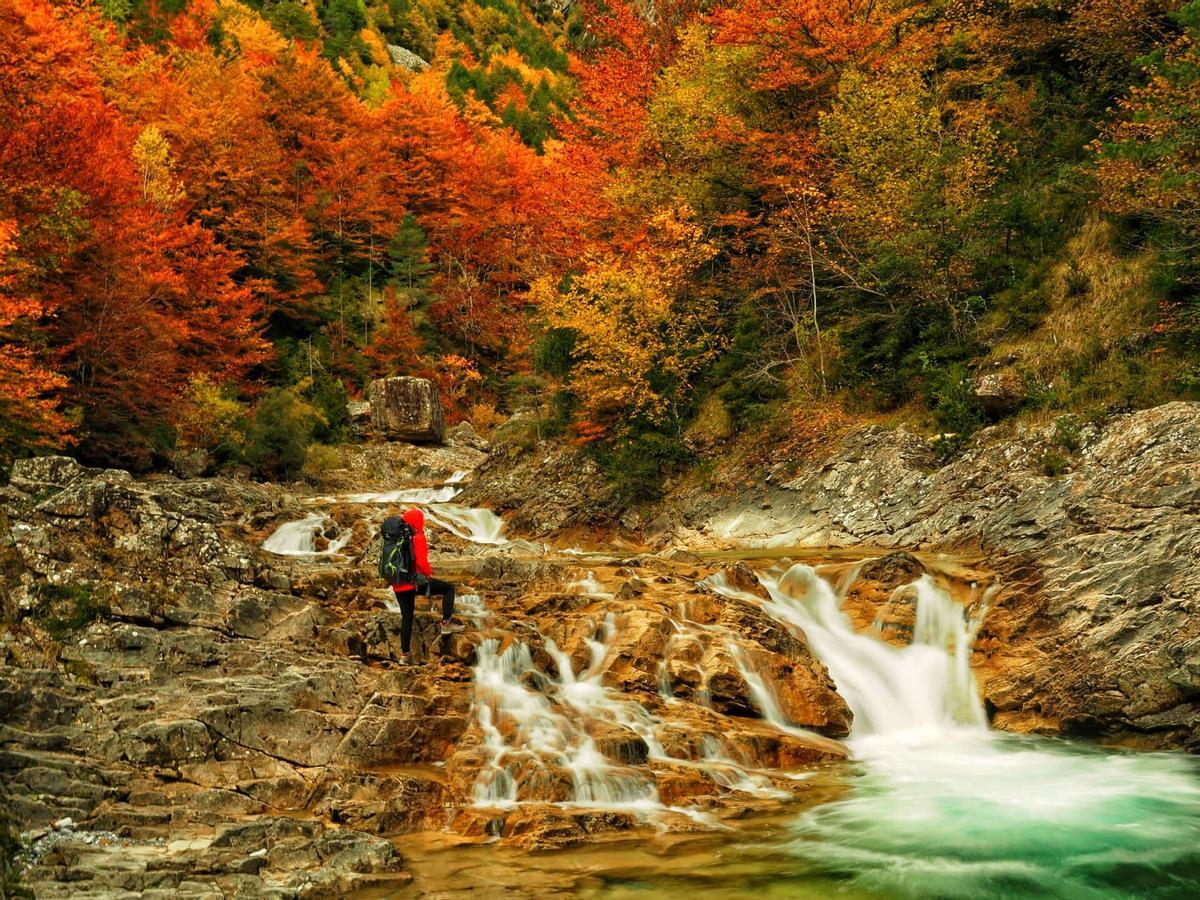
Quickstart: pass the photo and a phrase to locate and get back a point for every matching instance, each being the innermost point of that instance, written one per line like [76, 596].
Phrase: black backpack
[397, 561]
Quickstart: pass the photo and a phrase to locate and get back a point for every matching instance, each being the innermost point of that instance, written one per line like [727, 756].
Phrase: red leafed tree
[29, 414]
[134, 298]
[801, 46]
[242, 177]
[396, 346]
[617, 76]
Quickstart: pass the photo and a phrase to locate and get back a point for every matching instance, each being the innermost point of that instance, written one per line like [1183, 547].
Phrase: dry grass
[1098, 300]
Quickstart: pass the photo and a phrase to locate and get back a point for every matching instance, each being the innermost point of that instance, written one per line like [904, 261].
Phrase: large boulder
[406, 59]
[999, 393]
[407, 409]
[39, 473]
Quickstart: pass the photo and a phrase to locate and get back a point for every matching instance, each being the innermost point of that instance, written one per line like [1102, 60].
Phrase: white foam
[589, 586]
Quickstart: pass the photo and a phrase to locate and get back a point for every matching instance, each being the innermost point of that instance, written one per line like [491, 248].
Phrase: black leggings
[408, 601]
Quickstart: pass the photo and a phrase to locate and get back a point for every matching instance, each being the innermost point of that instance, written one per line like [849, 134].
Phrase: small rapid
[300, 538]
[559, 735]
[544, 741]
[479, 526]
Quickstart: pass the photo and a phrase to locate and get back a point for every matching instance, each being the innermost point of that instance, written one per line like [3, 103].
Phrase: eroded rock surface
[406, 409]
[1097, 627]
[215, 719]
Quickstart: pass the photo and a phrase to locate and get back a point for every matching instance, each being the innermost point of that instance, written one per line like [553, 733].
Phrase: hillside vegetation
[219, 220]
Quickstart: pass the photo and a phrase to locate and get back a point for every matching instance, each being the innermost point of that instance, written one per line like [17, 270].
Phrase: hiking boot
[449, 627]
[403, 659]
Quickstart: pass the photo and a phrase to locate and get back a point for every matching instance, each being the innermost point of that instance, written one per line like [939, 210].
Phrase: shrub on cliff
[636, 465]
[279, 433]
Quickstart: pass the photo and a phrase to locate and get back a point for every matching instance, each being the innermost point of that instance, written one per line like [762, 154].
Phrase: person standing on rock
[419, 579]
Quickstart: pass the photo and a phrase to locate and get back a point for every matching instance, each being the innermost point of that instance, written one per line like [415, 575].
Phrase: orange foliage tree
[134, 298]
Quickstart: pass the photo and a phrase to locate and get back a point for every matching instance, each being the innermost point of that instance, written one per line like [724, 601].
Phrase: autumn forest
[219, 219]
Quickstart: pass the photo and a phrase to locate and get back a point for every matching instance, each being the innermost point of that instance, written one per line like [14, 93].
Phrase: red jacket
[416, 519]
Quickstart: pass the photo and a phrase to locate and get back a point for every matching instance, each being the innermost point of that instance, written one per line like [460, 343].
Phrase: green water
[971, 814]
[959, 813]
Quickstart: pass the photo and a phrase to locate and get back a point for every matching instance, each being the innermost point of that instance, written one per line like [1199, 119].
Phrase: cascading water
[928, 683]
[416, 496]
[533, 724]
[299, 538]
[946, 808]
[481, 526]
[590, 586]
[543, 739]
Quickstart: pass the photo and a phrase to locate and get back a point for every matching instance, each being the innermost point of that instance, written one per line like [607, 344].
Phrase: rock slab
[407, 409]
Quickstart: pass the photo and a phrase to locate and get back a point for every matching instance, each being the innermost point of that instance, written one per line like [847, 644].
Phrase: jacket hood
[415, 518]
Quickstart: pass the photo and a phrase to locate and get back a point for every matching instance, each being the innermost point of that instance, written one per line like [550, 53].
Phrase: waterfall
[543, 739]
[943, 807]
[928, 683]
[925, 684]
[760, 692]
[587, 694]
[534, 725]
[482, 526]
[299, 538]
[589, 586]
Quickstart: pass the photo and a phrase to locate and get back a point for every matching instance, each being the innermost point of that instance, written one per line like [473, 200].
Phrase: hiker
[404, 562]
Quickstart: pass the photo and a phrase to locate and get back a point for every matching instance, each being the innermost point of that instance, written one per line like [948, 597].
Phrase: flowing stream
[937, 806]
[480, 526]
[943, 807]
[300, 538]
[934, 804]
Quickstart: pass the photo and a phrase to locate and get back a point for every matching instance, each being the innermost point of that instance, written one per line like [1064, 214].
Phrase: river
[932, 803]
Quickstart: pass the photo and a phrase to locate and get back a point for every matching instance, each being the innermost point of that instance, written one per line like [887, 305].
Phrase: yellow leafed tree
[152, 154]
[642, 328]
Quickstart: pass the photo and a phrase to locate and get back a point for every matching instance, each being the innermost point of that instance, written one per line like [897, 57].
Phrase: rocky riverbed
[187, 713]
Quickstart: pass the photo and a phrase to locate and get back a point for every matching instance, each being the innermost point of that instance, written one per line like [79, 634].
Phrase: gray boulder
[999, 393]
[359, 413]
[41, 472]
[407, 409]
[406, 59]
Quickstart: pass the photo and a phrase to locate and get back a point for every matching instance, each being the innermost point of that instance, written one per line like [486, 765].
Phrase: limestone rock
[38, 473]
[1000, 393]
[546, 491]
[406, 59]
[407, 409]
[463, 435]
[189, 463]
[359, 414]
[1095, 627]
